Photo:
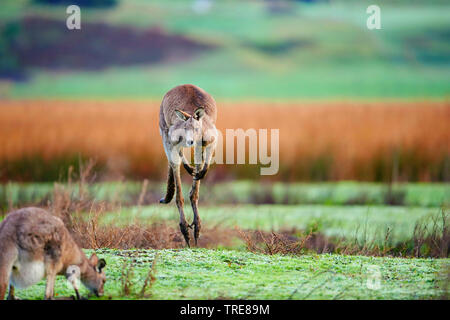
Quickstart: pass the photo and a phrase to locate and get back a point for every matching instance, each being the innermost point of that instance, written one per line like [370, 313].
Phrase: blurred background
[350, 103]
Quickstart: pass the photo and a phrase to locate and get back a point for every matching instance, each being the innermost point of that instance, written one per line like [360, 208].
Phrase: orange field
[373, 141]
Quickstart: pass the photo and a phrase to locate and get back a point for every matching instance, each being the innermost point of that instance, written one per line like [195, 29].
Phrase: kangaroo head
[189, 129]
[94, 277]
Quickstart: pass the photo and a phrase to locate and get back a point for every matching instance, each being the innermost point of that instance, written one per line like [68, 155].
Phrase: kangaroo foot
[197, 226]
[184, 230]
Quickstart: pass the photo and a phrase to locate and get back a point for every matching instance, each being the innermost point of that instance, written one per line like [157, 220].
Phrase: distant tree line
[9, 64]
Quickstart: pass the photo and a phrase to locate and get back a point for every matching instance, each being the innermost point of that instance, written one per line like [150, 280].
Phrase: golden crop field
[318, 140]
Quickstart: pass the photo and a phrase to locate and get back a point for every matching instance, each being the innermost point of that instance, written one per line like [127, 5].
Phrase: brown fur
[187, 107]
[34, 235]
[187, 98]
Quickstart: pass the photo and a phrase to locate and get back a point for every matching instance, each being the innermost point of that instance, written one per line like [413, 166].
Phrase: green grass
[346, 209]
[332, 193]
[431, 195]
[369, 222]
[326, 207]
[407, 58]
[213, 274]
[239, 274]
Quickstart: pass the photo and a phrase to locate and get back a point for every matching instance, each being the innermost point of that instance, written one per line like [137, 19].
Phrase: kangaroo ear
[199, 113]
[93, 259]
[182, 115]
[101, 264]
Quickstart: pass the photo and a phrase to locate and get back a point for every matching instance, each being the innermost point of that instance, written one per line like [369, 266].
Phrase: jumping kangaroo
[34, 244]
[187, 119]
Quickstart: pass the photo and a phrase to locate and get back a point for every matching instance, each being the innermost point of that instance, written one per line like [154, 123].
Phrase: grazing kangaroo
[187, 119]
[34, 244]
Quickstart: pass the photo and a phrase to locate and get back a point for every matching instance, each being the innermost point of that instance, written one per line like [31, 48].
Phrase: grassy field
[425, 195]
[318, 141]
[315, 51]
[345, 209]
[227, 274]
[230, 269]
[342, 221]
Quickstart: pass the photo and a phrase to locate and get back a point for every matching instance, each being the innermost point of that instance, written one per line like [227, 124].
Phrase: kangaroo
[34, 244]
[187, 119]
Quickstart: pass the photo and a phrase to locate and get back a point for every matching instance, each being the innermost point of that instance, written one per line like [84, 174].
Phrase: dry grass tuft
[430, 239]
[288, 242]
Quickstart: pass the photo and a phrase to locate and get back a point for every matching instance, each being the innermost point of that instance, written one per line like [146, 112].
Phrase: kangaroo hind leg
[180, 202]
[7, 258]
[193, 196]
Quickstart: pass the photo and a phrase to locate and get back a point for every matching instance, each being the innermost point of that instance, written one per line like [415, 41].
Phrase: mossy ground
[229, 274]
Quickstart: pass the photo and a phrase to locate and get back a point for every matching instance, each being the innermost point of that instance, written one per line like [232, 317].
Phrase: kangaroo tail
[170, 187]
